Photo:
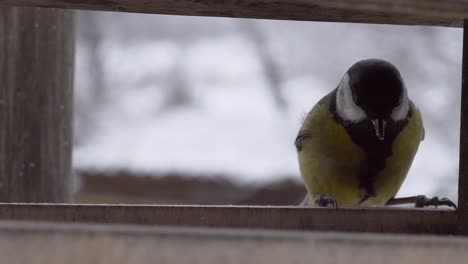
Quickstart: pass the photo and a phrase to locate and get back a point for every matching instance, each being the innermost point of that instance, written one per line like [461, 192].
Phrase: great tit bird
[357, 143]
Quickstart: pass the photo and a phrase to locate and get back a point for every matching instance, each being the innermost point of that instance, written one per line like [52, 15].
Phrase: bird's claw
[325, 200]
[423, 201]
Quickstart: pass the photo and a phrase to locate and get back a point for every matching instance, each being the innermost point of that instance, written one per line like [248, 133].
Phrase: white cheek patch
[346, 108]
[401, 111]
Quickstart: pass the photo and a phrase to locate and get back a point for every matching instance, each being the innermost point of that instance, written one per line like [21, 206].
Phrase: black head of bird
[372, 91]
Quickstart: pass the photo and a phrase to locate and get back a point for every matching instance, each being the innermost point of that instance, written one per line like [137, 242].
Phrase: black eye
[399, 101]
[354, 93]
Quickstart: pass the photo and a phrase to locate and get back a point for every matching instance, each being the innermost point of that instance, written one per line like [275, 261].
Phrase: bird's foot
[325, 200]
[423, 201]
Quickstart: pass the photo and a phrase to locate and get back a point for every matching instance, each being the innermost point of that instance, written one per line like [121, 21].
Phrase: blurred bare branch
[271, 68]
[90, 36]
[178, 93]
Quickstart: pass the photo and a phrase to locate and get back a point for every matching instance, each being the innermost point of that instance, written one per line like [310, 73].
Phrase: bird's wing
[313, 117]
[300, 139]
[417, 112]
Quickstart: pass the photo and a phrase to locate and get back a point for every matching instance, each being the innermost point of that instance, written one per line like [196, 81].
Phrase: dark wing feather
[300, 140]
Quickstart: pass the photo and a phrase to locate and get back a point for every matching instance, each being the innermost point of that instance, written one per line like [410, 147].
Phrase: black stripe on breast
[376, 151]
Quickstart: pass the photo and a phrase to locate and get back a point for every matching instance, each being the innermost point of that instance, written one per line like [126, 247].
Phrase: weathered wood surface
[409, 12]
[36, 75]
[54, 243]
[463, 167]
[387, 220]
[425, 8]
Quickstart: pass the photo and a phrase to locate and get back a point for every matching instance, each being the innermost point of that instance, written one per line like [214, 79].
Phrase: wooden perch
[409, 12]
[382, 220]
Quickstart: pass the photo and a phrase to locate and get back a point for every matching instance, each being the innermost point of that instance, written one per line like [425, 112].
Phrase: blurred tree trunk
[36, 78]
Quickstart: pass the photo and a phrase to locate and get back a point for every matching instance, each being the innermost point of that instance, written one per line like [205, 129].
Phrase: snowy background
[218, 97]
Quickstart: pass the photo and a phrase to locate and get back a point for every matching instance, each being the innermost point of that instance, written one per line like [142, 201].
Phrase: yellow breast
[330, 161]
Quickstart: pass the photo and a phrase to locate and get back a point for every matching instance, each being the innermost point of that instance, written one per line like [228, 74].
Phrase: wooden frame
[58, 243]
[382, 220]
[410, 12]
[401, 12]
[463, 161]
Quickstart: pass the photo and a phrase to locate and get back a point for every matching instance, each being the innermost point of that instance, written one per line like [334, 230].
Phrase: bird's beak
[379, 126]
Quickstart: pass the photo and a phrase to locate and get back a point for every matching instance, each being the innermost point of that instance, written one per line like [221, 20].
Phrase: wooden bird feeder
[449, 13]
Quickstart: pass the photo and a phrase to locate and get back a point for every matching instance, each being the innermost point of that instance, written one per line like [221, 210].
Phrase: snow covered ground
[231, 126]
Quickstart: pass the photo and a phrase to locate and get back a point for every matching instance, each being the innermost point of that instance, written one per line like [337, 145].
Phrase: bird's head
[372, 91]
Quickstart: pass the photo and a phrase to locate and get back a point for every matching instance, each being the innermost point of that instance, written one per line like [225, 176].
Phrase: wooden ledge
[51, 243]
[402, 12]
[384, 220]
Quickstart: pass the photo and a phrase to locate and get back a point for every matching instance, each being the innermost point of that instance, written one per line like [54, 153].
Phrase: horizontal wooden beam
[409, 12]
[447, 9]
[386, 220]
[54, 243]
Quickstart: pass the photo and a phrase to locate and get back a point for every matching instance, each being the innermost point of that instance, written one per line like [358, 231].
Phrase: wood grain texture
[58, 243]
[410, 12]
[463, 167]
[426, 8]
[36, 75]
[383, 220]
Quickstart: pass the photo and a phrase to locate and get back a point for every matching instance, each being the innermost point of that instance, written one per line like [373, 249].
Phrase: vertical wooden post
[36, 77]
[463, 170]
